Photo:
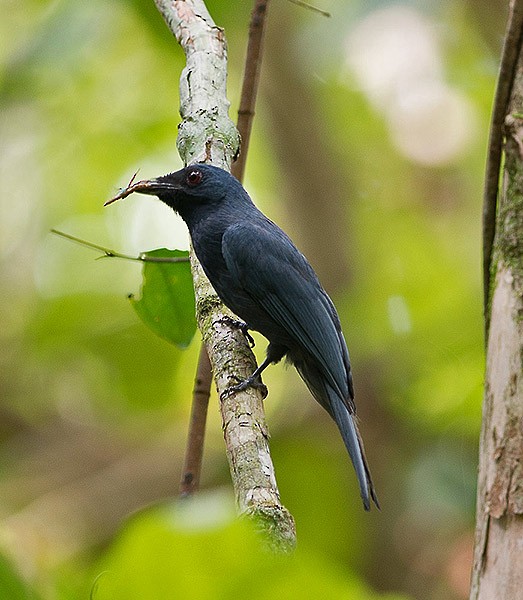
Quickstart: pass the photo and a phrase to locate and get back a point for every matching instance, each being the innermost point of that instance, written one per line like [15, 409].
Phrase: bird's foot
[254, 382]
[243, 327]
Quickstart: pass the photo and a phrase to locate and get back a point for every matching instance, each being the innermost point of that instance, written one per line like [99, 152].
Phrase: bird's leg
[274, 354]
[241, 325]
[253, 381]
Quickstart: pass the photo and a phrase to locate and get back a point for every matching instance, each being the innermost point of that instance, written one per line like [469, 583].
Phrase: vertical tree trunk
[498, 555]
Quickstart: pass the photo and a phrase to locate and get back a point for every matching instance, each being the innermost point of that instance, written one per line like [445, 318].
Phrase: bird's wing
[278, 278]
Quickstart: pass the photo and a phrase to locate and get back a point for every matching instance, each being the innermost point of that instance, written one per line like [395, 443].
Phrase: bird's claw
[248, 336]
[243, 385]
[243, 327]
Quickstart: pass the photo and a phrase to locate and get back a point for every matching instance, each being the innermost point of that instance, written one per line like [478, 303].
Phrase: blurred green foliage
[159, 555]
[11, 584]
[94, 406]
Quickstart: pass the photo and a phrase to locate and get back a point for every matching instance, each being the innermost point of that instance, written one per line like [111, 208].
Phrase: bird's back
[264, 279]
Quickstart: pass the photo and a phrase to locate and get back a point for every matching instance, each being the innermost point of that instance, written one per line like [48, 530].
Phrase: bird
[264, 279]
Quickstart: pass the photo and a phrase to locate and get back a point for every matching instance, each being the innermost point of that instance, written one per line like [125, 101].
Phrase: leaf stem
[108, 253]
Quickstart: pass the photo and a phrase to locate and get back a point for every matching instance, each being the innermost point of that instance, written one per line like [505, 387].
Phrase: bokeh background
[369, 149]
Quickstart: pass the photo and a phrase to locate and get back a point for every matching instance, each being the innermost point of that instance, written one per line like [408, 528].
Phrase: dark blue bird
[264, 279]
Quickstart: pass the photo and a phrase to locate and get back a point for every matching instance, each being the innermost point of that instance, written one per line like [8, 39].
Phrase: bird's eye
[194, 177]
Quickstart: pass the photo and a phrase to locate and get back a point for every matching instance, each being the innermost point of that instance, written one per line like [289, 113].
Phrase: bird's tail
[346, 422]
[348, 427]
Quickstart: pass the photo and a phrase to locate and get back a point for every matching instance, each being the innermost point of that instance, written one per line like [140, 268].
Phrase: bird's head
[191, 186]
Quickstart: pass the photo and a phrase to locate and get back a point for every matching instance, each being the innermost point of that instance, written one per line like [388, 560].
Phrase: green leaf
[166, 304]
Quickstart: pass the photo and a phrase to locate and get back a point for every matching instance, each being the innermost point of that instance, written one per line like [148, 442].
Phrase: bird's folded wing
[273, 272]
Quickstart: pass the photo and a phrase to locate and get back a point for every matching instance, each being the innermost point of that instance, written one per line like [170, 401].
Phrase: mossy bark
[498, 554]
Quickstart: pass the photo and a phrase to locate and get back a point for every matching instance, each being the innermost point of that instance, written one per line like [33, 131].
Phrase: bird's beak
[152, 187]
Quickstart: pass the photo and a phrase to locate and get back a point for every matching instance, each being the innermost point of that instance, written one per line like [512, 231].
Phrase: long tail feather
[351, 437]
[346, 423]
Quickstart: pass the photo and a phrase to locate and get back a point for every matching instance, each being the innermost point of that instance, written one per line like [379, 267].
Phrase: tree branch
[207, 134]
[196, 436]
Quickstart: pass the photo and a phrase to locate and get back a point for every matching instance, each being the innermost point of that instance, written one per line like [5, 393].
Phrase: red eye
[194, 177]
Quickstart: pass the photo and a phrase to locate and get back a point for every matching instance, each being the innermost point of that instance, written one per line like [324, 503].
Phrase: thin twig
[194, 450]
[108, 253]
[251, 78]
[308, 6]
[511, 48]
